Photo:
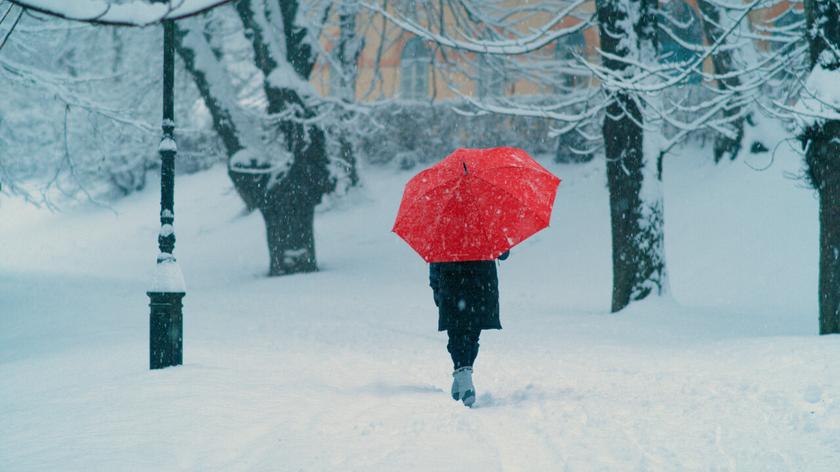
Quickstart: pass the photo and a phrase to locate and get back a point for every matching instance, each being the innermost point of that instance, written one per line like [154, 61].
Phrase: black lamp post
[166, 320]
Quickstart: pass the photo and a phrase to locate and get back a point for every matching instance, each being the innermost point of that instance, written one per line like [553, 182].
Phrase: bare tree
[278, 160]
[64, 129]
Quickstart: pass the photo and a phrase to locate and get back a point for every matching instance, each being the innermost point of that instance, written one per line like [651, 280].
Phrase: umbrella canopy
[475, 204]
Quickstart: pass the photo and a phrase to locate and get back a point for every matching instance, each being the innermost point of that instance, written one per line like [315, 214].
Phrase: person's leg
[463, 346]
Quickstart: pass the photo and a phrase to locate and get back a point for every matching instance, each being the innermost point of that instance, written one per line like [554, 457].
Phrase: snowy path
[343, 369]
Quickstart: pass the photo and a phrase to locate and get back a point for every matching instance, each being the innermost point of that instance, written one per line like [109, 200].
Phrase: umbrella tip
[465, 168]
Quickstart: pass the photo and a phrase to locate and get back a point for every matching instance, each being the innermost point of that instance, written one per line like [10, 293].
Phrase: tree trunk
[348, 157]
[724, 63]
[636, 211]
[291, 239]
[289, 205]
[634, 165]
[347, 55]
[824, 153]
[821, 140]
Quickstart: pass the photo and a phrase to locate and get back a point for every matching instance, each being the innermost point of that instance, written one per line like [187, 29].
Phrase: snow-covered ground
[343, 370]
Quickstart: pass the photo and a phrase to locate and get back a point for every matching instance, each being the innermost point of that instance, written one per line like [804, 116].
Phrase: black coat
[466, 293]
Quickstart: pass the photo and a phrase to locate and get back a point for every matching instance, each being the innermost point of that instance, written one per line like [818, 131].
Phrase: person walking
[467, 296]
[461, 215]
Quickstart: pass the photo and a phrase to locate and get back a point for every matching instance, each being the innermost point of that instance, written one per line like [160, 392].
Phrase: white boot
[462, 385]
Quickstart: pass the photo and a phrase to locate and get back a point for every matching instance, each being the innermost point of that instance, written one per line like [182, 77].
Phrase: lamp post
[166, 320]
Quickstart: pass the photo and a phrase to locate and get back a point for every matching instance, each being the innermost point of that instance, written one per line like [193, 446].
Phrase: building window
[683, 23]
[415, 65]
[565, 50]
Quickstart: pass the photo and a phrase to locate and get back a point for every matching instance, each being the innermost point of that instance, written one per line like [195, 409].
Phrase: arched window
[682, 21]
[491, 77]
[565, 50]
[415, 63]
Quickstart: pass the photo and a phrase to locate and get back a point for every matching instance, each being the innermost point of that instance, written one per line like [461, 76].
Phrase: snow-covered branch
[544, 35]
[127, 13]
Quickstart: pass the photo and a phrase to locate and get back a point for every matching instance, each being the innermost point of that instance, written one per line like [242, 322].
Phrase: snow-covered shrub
[409, 133]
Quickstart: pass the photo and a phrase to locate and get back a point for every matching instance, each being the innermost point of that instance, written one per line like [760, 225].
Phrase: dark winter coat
[466, 293]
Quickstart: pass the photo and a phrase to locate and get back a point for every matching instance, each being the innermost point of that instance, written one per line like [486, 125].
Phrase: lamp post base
[166, 329]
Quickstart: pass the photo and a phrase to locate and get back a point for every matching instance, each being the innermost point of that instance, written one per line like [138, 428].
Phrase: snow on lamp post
[166, 320]
[167, 290]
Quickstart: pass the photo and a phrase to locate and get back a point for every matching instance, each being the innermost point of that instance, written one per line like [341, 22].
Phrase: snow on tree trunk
[724, 63]
[820, 135]
[215, 91]
[634, 163]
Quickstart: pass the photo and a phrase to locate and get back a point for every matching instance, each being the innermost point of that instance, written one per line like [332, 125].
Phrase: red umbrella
[475, 204]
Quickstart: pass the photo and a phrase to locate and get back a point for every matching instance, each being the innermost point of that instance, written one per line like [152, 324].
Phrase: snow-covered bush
[411, 133]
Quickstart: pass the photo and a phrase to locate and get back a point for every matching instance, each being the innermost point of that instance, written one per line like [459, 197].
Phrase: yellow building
[397, 64]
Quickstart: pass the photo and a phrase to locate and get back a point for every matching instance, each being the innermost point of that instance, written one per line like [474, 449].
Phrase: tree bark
[822, 160]
[291, 239]
[822, 147]
[634, 165]
[724, 63]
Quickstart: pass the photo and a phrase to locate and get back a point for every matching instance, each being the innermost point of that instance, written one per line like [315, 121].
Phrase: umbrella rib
[432, 189]
[507, 191]
[487, 243]
[539, 171]
[525, 167]
[436, 224]
[524, 206]
[445, 182]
